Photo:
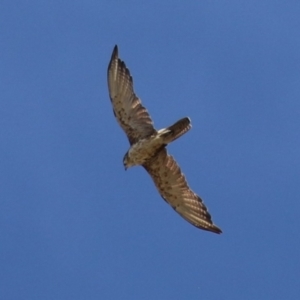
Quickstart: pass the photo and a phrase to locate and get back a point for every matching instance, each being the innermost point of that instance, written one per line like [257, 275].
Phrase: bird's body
[148, 147]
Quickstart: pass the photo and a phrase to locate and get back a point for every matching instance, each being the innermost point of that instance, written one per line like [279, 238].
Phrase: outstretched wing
[173, 187]
[130, 113]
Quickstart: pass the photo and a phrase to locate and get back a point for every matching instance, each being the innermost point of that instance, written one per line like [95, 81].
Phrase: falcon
[148, 147]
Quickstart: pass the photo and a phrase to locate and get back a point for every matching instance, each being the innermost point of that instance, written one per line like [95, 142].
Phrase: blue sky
[74, 224]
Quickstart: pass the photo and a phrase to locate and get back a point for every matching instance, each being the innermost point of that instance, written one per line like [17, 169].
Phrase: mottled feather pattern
[173, 187]
[129, 112]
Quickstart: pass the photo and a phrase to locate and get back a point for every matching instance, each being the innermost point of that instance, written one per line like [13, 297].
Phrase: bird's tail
[175, 131]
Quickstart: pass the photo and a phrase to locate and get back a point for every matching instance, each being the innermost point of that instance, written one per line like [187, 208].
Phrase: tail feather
[176, 130]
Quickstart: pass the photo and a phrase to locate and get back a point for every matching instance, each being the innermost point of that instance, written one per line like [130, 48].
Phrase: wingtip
[114, 58]
[215, 229]
[211, 228]
[115, 52]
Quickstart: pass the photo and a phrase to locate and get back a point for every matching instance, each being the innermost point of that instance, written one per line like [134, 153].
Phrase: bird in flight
[148, 147]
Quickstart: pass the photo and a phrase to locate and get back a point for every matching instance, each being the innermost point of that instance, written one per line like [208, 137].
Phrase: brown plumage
[148, 147]
[128, 109]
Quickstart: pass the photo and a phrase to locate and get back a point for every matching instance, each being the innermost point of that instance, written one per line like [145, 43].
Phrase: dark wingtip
[215, 229]
[115, 52]
[211, 228]
[114, 57]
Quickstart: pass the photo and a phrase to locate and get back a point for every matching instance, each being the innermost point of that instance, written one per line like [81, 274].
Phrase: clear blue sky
[74, 224]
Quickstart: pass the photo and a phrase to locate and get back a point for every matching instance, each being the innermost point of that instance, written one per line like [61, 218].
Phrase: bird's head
[126, 161]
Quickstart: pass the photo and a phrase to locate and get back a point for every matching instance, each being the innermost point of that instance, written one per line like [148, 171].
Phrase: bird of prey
[148, 147]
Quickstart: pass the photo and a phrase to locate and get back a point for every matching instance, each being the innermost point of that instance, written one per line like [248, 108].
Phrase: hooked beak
[125, 167]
